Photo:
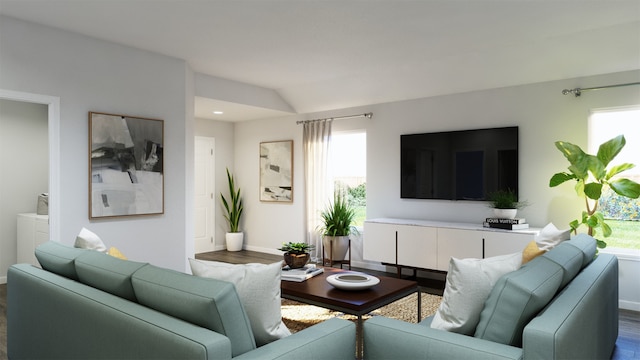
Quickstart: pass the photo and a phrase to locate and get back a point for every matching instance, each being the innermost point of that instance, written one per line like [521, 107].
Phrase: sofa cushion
[107, 273]
[89, 240]
[516, 298]
[569, 258]
[259, 288]
[58, 258]
[587, 245]
[469, 282]
[209, 303]
[531, 251]
[550, 236]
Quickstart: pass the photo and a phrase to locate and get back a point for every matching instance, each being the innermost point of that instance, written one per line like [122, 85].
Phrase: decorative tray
[352, 281]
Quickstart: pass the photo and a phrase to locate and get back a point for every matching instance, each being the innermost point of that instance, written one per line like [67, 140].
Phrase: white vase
[505, 213]
[336, 246]
[234, 241]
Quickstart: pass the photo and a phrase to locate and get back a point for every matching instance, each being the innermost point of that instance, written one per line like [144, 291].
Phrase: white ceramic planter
[505, 213]
[234, 241]
[340, 246]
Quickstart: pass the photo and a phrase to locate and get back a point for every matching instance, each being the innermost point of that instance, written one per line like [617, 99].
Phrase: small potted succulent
[296, 254]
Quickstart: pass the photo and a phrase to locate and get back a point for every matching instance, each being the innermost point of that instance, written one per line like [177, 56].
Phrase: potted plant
[296, 254]
[505, 203]
[233, 212]
[336, 227]
[592, 176]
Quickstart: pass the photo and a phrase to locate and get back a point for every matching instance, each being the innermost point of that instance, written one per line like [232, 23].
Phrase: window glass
[348, 167]
[622, 214]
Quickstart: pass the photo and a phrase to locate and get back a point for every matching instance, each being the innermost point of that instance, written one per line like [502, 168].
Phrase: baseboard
[3, 279]
[629, 305]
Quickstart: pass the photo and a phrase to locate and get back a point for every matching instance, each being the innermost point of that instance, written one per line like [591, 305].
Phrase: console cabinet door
[457, 243]
[503, 243]
[379, 242]
[417, 246]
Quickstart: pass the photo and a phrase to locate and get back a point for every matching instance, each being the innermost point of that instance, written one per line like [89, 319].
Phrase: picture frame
[126, 166]
[276, 171]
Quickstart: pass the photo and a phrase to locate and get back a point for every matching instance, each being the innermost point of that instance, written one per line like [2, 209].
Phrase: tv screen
[459, 165]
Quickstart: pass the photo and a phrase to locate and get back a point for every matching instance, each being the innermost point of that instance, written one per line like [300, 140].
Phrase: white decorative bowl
[352, 281]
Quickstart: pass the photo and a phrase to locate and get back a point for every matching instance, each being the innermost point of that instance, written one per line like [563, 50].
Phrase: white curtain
[316, 139]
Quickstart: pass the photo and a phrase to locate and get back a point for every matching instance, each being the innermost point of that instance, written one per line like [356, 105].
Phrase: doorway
[204, 192]
[52, 120]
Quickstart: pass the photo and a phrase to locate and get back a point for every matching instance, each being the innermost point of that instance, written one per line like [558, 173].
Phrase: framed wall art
[126, 165]
[276, 171]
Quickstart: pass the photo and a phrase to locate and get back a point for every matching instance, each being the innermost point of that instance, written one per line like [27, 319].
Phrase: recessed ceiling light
[218, 112]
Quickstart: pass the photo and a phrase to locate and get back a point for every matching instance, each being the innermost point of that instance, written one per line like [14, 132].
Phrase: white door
[204, 213]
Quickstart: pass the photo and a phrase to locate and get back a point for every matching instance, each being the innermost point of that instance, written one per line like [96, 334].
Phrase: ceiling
[324, 55]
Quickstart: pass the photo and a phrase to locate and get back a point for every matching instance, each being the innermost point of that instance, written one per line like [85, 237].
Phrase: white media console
[429, 245]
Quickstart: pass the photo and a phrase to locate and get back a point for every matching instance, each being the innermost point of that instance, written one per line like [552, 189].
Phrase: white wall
[223, 133]
[94, 75]
[542, 113]
[24, 159]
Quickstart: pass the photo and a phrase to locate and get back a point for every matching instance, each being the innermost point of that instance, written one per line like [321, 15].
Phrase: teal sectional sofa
[560, 305]
[84, 304]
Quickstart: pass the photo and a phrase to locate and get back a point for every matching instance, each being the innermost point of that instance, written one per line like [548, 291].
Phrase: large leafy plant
[592, 176]
[233, 207]
[338, 216]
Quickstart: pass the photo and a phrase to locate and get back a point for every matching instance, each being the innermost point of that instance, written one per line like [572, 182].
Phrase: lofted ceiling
[324, 55]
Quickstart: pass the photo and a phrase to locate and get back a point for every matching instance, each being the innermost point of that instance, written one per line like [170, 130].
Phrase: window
[622, 214]
[348, 169]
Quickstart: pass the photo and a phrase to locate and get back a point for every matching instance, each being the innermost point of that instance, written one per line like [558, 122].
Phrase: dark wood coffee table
[317, 291]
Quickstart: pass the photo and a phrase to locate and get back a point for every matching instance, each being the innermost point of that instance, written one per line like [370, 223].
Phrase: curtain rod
[578, 91]
[368, 115]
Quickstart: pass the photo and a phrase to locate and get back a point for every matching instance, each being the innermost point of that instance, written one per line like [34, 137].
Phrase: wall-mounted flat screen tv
[459, 165]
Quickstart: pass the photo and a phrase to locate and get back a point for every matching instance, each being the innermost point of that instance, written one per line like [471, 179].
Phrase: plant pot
[234, 241]
[296, 261]
[335, 247]
[505, 213]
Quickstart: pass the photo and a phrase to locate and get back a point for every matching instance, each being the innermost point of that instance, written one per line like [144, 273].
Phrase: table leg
[419, 305]
[359, 339]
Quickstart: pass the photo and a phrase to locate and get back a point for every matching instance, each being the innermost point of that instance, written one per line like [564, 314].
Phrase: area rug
[298, 316]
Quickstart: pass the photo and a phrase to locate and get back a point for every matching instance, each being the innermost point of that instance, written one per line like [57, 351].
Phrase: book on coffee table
[301, 274]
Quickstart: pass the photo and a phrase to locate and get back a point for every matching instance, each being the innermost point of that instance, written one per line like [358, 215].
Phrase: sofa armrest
[331, 339]
[386, 338]
[589, 301]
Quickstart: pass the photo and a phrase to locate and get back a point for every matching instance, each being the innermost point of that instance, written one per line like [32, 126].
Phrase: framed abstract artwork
[126, 166]
[276, 171]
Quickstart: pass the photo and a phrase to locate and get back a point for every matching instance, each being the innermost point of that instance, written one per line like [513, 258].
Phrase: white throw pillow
[89, 240]
[258, 287]
[469, 283]
[550, 236]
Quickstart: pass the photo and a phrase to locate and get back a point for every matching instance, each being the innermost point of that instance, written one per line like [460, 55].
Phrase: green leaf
[617, 169]
[601, 244]
[609, 149]
[593, 190]
[597, 168]
[559, 178]
[580, 188]
[592, 221]
[577, 158]
[574, 225]
[626, 187]
[606, 229]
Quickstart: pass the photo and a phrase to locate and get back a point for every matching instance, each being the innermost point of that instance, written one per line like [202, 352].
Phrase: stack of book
[507, 224]
[301, 274]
